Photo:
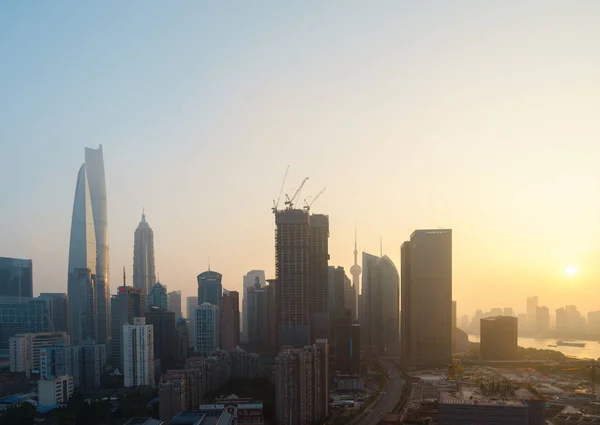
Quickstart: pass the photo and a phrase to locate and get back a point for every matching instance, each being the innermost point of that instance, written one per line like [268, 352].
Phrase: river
[591, 349]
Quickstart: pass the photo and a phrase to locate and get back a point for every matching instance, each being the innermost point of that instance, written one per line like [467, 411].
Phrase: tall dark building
[230, 320]
[58, 310]
[336, 290]
[174, 303]
[182, 339]
[301, 257]
[427, 298]
[210, 289]
[16, 277]
[370, 304]
[355, 349]
[261, 327]
[499, 337]
[165, 336]
[129, 302]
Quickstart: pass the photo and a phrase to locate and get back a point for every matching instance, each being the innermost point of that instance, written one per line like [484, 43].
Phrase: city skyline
[493, 148]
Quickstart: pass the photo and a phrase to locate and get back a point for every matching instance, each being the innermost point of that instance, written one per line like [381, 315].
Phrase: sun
[571, 270]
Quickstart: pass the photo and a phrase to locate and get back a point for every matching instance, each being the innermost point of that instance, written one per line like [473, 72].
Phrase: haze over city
[412, 115]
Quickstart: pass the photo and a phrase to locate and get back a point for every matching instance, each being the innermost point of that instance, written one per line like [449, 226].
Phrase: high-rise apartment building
[158, 296]
[301, 384]
[319, 263]
[426, 264]
[172, 395]
[230, 320]
[58, 310]
[24, 349]
[88, 253]
[206, 327]
[16, 277]
[138, 353]
[165, 336]
[128, 303]
[499, 337]
[92, 361]
[144, 273]
[190, 304]
[250, 280]
[174, 303]
[210, 289]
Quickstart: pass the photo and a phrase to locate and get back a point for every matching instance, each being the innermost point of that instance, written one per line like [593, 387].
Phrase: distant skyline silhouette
[475, 116]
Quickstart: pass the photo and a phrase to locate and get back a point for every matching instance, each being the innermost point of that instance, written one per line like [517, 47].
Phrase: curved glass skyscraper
[88, 285]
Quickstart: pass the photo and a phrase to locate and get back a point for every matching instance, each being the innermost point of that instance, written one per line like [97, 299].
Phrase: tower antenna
[124, 284]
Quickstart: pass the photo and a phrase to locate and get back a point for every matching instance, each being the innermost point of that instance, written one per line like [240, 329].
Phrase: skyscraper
[206, 325]
[88, 250]
[144, 274]
[427, 297]
[82, 263]
[190, 304]
[58, 309]
[319, 263]
[230, 320]
[158, 296]
[261, 329]
[370, 303]
[210, 289]
[532, 305]
[165, 335]
[94, 164]
[138, 353]
[174, 303]
[16, 277]
[250, 280]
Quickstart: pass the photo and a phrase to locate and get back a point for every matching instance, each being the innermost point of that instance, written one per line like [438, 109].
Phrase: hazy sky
[479, 116]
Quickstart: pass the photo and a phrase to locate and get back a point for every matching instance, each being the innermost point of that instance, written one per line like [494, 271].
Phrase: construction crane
[592, 369]
[276, 202]
[290, 201]
[307, 205]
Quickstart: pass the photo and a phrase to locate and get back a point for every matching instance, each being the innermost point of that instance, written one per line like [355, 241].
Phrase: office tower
[499, 338]
[206, 328]
[22, 315]
[262, 329]
[92, 361]
[569, 321]
[508, 311]
[138, 353]
[172, 395]
[542, 319]
[230, 320]
[174, 303]
[355, 271]
[165, 336]
[94, 166]
[299, 377]
[55, 391]
[210, 289]
[355, 349]
[58, 310]
[293, 272]
[350, 298]
[427, 297]
[335, 293]
[190, 304]
[158, 296]
[182, 339]
[129, 303]
[532, 305]
[381, 299]
[82, 264]
[24, 349]
[453, 327]
[319, 264]
[144, 274]
[341, 342]
[16, 277]
[249, 281]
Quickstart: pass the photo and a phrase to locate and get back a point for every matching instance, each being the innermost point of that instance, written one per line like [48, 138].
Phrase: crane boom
[290, 201]
[276, 203]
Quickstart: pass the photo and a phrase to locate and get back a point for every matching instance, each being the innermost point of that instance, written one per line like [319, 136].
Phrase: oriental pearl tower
[355, 271]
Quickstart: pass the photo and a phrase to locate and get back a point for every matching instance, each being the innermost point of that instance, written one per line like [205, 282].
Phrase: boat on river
[570, 343]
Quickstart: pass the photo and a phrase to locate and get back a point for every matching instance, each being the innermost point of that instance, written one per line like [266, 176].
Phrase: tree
[23, 414]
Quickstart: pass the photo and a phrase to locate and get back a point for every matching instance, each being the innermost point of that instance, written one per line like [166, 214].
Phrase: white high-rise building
[206, 326]
[252, 278]
[138, 353]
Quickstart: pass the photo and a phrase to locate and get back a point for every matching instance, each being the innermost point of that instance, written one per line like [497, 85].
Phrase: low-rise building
[55, 391]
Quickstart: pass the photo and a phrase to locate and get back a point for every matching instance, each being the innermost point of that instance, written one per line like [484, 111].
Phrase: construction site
[546, 393]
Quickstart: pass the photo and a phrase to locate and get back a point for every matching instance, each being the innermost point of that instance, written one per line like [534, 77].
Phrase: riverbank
[591, 349]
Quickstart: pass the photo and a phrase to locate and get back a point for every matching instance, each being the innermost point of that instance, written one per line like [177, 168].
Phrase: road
[391, 395]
